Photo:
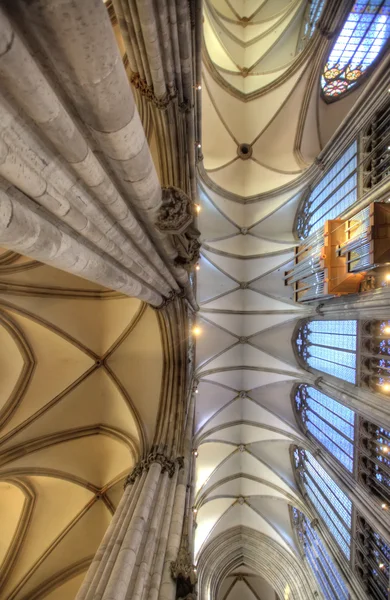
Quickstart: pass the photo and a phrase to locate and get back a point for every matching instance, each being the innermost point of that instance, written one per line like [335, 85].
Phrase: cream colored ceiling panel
[250, 301]
[278, 342]
[215, 48]
[273, 283]
[242, 433]
[57, 504]
[211, 281]
[251, 411]
[277, 398]
[217, 145]
[211, 341]
[241, 591]
[247, 178]
[245, 355]
[209, 400]
[11, 510]
[210, 455]
[94, 401]
[247, 245]
[244, 515]
[13, 360]
[245, 487]
[68, 590]
[248, 324]
[115, 492]
[262, 588]
[277, 455]
[276, 511]
[244, 379]
[280, 223]
[251, 84]
[58, 364]
[47, 277]
[223, 7]
[77, 546]
[211, 222]
[245, 269]
[208, 515]
[232, 210]
[231, 413]
[97, 325]
[138, 364]
[247, 120]
[97, 459]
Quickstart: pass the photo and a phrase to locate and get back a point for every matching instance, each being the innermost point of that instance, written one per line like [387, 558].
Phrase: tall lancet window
[330, 347]
[328, 421]
[365, 32]
[322, 565]
[332, 196]
[332, 505]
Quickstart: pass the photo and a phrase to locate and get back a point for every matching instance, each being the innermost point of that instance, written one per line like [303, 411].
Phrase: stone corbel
[183, 572]
[176, 218]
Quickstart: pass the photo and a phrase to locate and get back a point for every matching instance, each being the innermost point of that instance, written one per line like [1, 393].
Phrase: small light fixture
[387, 276]
[196, 391]
[199, 86]
[197, 267]
[194, 510]
[197, 330]
[381, 565]
[384, 506]
[198, 208]
[195, 453]
[194, 569]
[386, 387]
[385, 449]
[386, 330]
[198, 145]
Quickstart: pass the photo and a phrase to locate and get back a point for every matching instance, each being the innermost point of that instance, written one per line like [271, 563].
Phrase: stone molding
[148, 91]
[176, 218]
[167, 465]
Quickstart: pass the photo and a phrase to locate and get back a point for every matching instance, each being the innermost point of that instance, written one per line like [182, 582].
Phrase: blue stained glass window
[329, 346]
[330, 502]
[363, 36]
[322, 565]
[331, 423]
[332, 196]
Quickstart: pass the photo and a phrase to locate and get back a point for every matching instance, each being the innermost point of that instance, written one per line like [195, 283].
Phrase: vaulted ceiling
[80, 370]
[260, 88]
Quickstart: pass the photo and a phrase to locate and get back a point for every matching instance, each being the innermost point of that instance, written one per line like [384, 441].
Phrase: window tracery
[328, 421]
[369, 551]
[372, 559]
[330, 502]
[329, 346]
[359, 43]
[332, 195]
[322, 565]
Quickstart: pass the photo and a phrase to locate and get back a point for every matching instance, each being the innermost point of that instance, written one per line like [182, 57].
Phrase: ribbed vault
[260, 88]
[81, 372]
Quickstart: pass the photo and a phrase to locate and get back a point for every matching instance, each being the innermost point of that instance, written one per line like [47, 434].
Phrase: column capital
[166, 463]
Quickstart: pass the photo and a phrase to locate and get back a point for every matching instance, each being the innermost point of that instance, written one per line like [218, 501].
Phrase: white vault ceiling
[257, 90]
[80, 372]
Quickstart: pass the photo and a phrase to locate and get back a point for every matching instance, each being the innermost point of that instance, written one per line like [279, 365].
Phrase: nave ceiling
[81, 369]
[258, 90]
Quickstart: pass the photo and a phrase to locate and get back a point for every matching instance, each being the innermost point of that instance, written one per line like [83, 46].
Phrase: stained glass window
[363, 36]
[329, 346]
[323, 567]
[372, 560]
[332, 505]
[310, 19]
[374, 460]
[332, 196]
[331, 423]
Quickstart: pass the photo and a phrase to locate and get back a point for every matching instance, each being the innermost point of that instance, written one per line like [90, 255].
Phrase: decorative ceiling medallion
[244, 151]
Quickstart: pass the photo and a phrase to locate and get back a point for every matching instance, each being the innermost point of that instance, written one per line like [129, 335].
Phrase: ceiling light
[195, 453]
[197, 330]
[384, 506]
[385, 449]
[387, 276]
[386, 387]
[198, 145]
[199, 86]
[386, 329]
[198, 208]
[197, 268]
[194, 510]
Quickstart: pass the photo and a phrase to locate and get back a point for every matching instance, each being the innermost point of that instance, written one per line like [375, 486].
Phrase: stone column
[27, 230]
